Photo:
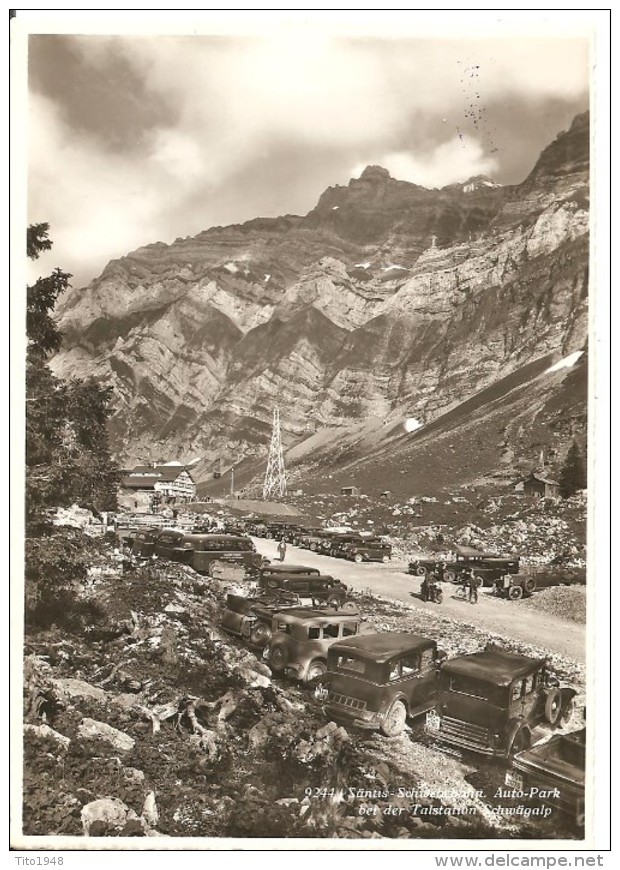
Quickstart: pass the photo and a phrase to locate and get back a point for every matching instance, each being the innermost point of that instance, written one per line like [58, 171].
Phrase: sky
[138, 139]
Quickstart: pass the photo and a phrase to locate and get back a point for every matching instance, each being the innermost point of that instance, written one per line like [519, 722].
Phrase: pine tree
[67, 454]
[573, 475]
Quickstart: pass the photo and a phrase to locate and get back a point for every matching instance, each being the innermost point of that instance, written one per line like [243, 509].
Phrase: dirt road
[505, 618]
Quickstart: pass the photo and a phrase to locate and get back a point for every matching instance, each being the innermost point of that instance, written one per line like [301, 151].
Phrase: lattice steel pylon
[275, 476]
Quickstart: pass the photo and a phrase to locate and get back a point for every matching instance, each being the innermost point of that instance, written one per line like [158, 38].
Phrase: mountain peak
[478, 182]
[374, 173]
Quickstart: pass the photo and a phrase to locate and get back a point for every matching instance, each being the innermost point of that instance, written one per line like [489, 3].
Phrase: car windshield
[351, 665]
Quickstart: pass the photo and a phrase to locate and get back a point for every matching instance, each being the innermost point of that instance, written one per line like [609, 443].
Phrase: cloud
[98, 204]
[227, 122]
[452, 161]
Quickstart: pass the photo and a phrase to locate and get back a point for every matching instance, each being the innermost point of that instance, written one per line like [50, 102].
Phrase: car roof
[383, 645]
[309, 614]
[289, 569]
[282, 575]
[209, 537]
[498, 667]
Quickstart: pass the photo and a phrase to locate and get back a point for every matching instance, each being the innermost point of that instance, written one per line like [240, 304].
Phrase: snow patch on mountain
[566, 363]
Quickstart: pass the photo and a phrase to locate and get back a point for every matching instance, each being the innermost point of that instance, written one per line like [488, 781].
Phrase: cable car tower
[275, 476]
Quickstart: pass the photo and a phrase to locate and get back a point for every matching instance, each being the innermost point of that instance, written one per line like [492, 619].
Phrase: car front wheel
[315, 670]
[358, 558]
[553, 706]
[260, 635]
[395, 719]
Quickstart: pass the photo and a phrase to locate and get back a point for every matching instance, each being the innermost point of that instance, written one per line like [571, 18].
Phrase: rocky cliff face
[386, 299]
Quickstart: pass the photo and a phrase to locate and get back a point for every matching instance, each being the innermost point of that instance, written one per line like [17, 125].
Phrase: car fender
[385, 706]
[515, 725]
[567, 694]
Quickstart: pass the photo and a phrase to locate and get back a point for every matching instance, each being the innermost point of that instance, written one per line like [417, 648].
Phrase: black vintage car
[310, 539]
[251, 617]
[206, 552]
[144, 542]
[491, 701]
[556, 770]
[366, 550]
[376, 681]
[487, 567]
[281, 531]
[307, 583]
[167, 543]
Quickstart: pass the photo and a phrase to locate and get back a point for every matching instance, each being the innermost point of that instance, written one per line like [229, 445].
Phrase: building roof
[493, 666]
[536, 476]
[145, 482]
[146, 476]
[382, 646]
[540, 477]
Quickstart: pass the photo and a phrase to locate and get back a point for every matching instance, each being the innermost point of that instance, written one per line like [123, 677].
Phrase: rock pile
[169, 727]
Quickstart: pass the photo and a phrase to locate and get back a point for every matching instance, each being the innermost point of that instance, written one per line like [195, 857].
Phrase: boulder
[133, 775]
[91, 729]
[259, 734]
[44, 731]
[252, 678]
[326, 730]
[150, 813]
[106, 815]
[68, 688]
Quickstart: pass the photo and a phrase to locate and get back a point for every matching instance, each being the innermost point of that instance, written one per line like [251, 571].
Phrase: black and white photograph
[304, 324]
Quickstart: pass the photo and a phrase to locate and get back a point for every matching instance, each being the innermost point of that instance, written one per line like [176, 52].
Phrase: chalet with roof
[170, 482]
[539, 485]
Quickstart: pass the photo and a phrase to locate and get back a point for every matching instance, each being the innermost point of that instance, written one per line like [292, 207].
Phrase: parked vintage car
[282, 568]
[207, 550]
[143, 546]
[167, 543]
[336, 543]
[376, 681]
[491, 701]
[302, 532]
[301, 637]
[257, 529]
[515, 586]
[251, 617]
[328, 542]
[279, 531]
[487, 567]
[556, 768]
[368, 551]
[320, 588]
[310, 539]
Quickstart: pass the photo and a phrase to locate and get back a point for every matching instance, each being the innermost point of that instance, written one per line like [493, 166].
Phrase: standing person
[282, 549]
[472, 585]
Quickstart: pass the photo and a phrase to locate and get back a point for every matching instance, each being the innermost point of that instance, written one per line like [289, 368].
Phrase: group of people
[466, 577]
